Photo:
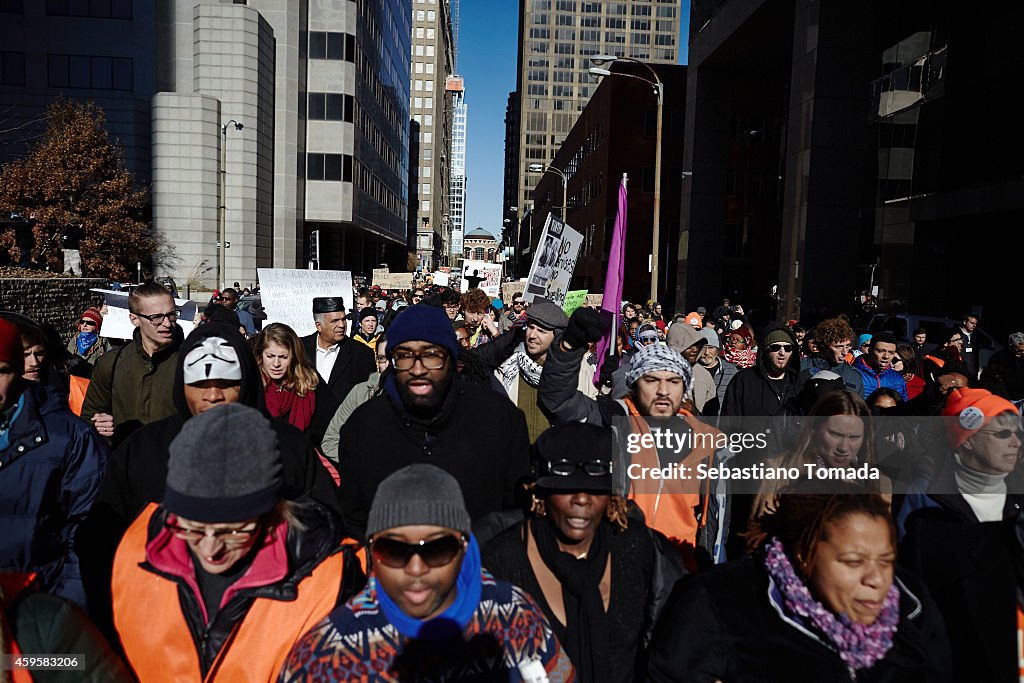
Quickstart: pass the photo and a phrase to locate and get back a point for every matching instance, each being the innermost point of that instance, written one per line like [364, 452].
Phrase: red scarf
[746, 358]
[285, 402]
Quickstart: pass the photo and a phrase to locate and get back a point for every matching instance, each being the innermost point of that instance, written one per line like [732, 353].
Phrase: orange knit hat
[973, 409]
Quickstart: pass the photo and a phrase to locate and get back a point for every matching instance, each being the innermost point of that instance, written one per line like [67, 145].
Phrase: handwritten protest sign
[288, 294]
[441, 279]
[378, 273]
[391, 281]
[574, 300]
[554, 263]
[117, 324]
[490, 272]
[510, 289]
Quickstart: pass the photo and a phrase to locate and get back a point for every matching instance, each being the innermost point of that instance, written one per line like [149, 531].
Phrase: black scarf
[586, 624]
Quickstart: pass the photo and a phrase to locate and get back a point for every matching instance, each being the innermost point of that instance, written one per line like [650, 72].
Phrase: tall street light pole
[659, 90]
[541, 168]
[221, 216]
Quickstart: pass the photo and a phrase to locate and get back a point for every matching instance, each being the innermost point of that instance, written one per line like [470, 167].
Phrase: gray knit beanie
[418, 494]
[224, 466]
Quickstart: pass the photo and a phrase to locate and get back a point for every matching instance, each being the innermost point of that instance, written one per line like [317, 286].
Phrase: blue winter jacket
[51, 467]
[873, 381]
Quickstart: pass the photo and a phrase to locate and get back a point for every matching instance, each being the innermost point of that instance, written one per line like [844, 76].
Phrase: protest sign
[377, 274]
[510, 289]
[594, 300]
[441, 279]
[554, 263]
[391, 281]
[117, 324]
[574, 300]
[489, 272]
[288, 294]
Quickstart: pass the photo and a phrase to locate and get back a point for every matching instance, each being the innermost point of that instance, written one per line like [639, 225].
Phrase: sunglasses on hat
[567, 468]
[396, 554]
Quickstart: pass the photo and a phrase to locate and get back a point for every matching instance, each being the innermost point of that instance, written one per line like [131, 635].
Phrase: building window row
[372, 186]
[330, 167]
[96, 9]
[331, 107]
[84, 71]
[330, 45]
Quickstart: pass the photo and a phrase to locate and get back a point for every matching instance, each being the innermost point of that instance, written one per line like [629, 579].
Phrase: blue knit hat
[425, 323]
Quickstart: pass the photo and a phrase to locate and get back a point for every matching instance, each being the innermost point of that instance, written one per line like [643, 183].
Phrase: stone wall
[57, 301]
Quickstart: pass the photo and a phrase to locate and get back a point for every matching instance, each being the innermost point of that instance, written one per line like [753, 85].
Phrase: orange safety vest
[156, 638]
[935, 359]
[670, 505]
[11, 586]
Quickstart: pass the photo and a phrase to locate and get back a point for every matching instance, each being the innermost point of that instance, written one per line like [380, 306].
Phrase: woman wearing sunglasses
[590, 568]
[87, 344]
[979, 481]
[219, 581]
[430, 611]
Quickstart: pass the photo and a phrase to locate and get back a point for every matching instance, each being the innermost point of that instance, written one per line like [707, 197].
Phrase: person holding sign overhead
[341, 362]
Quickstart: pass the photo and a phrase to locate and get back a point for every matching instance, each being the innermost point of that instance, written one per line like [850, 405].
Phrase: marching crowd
[433, 486]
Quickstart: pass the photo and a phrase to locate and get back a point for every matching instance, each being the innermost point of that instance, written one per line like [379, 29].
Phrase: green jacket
[47, 625]
[133, 387]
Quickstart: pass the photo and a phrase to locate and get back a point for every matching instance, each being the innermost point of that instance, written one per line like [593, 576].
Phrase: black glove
[585, 326]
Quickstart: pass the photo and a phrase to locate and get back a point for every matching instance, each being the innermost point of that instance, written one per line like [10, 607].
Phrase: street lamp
[221, 227]
[541, 168]
[659, 90]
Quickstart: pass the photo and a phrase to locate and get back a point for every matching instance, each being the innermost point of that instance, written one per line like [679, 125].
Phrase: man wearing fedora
[341, 361]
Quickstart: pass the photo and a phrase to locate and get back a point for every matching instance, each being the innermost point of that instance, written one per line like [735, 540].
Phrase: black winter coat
[478, 437]
[354, 365]
[638, 588]
[721, 625]
[973, 572]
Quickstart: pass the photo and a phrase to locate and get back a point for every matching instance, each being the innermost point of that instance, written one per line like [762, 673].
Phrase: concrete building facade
[433, 61]
[616, 134]
[556, 40]
[295, 111]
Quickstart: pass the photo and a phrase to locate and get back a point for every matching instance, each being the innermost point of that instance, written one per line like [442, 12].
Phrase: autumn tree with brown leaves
[75, 178]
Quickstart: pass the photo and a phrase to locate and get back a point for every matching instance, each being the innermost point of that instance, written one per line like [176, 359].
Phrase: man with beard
[427, 415]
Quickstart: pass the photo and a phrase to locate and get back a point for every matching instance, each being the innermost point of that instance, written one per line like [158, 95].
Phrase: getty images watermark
[680, 444]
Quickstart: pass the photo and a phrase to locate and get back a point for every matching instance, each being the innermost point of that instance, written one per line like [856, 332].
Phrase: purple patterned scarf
[859, 645]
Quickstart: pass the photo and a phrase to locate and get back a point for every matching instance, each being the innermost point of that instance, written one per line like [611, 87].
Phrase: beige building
[433, 60]
[556, 40]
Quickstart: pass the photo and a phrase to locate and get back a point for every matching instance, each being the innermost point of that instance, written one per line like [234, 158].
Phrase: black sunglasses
[775, 348]
[87, 322]
[396, 554]
[1004, 433]
[566, 468]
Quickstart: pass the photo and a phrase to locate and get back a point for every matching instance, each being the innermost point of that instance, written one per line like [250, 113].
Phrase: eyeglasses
[648, 339]
[1004, 433]
[567, 468]
[229, 537]
[518, 302]
[158, 318]
[87, 322]
[396, 554]
[432, 359]
[775, 348]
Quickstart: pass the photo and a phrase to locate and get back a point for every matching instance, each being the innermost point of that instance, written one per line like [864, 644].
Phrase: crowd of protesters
[435, 486]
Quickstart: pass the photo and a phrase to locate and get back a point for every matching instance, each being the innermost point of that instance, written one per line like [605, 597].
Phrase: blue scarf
[453, 621]
[85, 341]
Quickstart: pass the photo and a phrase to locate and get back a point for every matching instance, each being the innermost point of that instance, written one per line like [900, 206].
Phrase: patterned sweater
[357, 643]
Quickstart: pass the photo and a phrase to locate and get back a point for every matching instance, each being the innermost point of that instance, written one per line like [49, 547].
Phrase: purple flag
[613, 284]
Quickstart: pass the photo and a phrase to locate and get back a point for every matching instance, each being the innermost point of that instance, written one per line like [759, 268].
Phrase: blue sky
[488, 33]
